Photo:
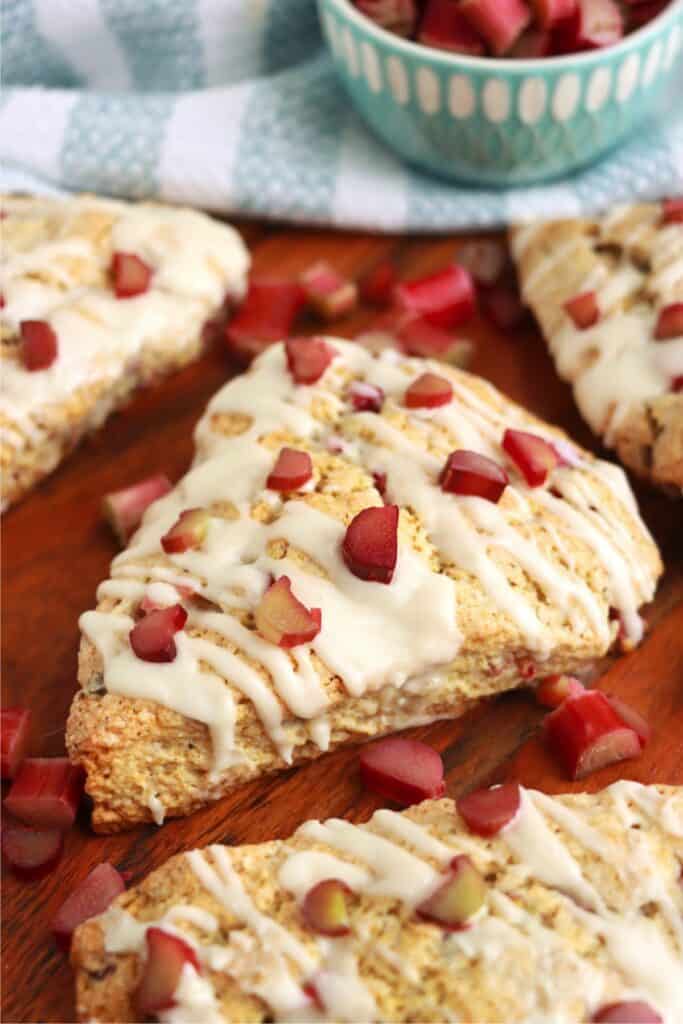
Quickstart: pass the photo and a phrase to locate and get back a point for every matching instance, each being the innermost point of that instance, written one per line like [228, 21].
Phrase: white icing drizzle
[195, 260]
[410, 628]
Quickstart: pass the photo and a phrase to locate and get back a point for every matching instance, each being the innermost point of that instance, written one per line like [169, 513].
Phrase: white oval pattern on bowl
[350, 53]
[461, 99]
[496, 100]
[399, 83]
[627, 77]
[566, 96]
[370, 60]
[652, 63]
[598, 89]
[428, 90]
[531, 100]
[674, 44]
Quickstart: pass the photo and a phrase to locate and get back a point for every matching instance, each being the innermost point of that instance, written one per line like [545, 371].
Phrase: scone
[96, 298]
[608, 295]
[575, 905]
[254, 622]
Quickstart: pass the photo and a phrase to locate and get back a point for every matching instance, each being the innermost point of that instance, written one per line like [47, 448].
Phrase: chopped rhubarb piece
[46, 792]
[444, 299]
[31, 854]
[642, 13]
[631, 718]
[267, 315]
[533, 44]
[417, 337]
[630, 1012]
[502, 305]
[292, 470]
[592, 25]
[468, 473]
[500, 22]
[167, 955]
[282, 619]
[459, 899]
[152, 637]
[2, 301]
[311, 992]
[428, 392]
[584, 310]
[377, 287]
[402, 770]
[553, 690]
[670, 322]
[365, 397]
[370, 546]
[444, 27]
[188, 532]
[677, 384]
[38, 344]
[672, 211]
[329, 293]
[487, 811]
[586, 734]
[131, 276]
[397, 16]
[485, 259]
[550, 12]
[380, 481]
[534, 456]
[124, 509]
[324, 908]
[91, 897]
[308, 358]
[15, 725]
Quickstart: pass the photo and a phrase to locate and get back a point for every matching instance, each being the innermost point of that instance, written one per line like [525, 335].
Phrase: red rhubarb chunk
[324, 908]
[487, 811]
[500, 22]
[445, 299]
[630, 717]
[642, 13]
[152, 638]
[377, 287]
[534, 456]
[553, 690]
[502, 305]
[267, 315]
[592, 25]
[46, 792]
[677, 384]
[459, 899]
[124, 510]
[91, 897]
[428, 392]
[444, 27]
[550, 12]
[308, 358]
[533, 44]
[292, 470]
[670, 322]
[586, 734]
[365, 397]
[418, 337]
[631, 1012]
[672, 211]
[167, 955]
[397, 16]
[404, 771]
[15, 725]
[188, 533]
[328, 292]
[584, 310]
[31, 854]
[380, 481]
[467, 473]
[282, 619]
[370, 546]
[38, 344]
[130, 275]
[485, 259]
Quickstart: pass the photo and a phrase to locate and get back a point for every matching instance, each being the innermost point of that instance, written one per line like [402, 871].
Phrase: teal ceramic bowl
[497, 122]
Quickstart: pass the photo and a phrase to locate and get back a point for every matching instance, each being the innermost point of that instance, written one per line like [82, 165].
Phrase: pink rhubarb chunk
[324, 908]
[584, 310]
[670, 322]
[266, 315]
[38, 344]
[444, 27]
[629, 1012]
[534, 457]
[30, 853]
[15, 725]
[292, 470]
[444, 299]
[92, 896]
[487, 811]
[167, 955]
[585, 733]
[124, 509]
[328, 292]
[468, 473]
[499, 22]
[282, 619]
[402, 770]
[46, 792]
[399, 16]
[130, 275]
[152, 638]
[308, 358]
[429, 391]
[370, 546]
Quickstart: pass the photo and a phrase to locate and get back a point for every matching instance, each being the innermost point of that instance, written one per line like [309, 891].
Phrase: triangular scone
[627, 383]
[484, 595]
[582, 908]
[57, 262]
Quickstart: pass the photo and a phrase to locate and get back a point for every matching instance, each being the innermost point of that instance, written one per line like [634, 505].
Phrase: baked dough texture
[583, 909]
[485, 597]
[56, 267]
[627, 384]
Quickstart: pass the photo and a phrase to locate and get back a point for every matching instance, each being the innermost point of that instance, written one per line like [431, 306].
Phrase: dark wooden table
[56, 549]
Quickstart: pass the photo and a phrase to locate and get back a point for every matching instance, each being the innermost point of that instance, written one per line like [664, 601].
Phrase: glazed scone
[627, 381]
[57, 258]
[582, 909]
[484, 595]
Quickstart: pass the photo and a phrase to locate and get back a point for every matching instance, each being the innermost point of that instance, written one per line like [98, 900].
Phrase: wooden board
[56, 549]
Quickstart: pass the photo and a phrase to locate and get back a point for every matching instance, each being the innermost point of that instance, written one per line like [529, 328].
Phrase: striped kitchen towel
[233, 105]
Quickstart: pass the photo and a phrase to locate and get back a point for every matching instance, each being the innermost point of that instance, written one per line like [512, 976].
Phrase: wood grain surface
[56, 548]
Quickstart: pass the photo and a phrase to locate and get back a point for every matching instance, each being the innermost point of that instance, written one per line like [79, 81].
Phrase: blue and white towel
[233, 105]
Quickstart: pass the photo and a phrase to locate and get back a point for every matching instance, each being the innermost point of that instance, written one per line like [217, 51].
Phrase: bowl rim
[516, 66]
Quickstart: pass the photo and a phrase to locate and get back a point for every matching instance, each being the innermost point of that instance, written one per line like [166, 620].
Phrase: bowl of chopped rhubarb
[504, 92]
